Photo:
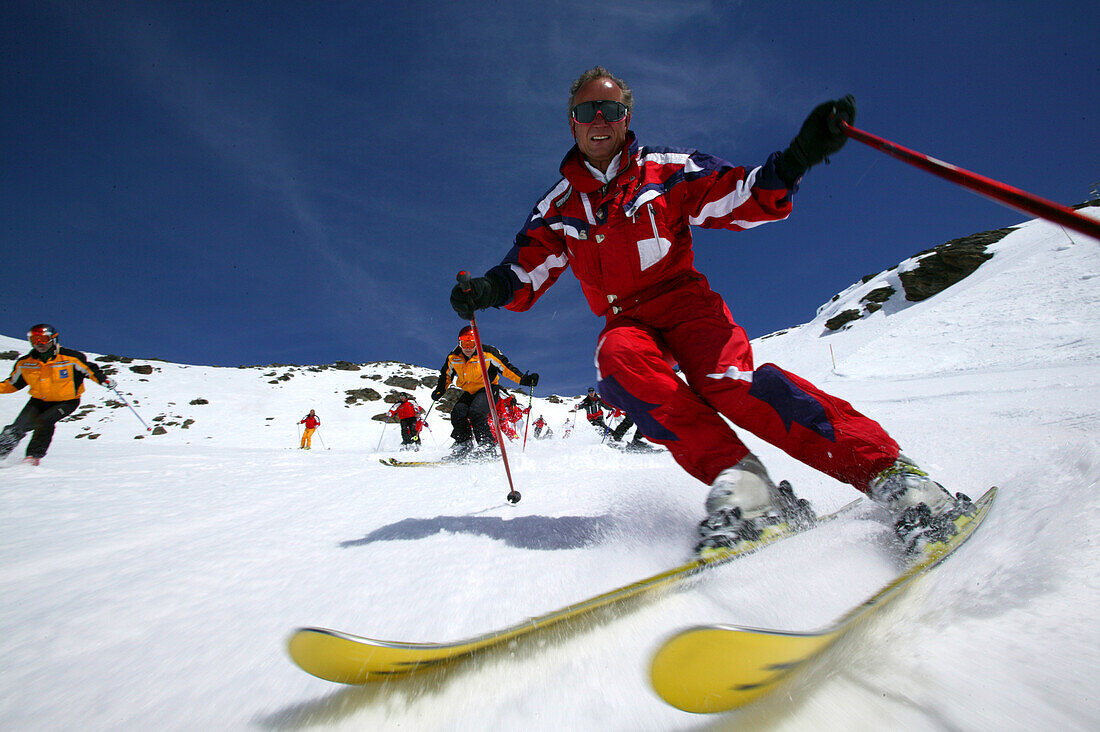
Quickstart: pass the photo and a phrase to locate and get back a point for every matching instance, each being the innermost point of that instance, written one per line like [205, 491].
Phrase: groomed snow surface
[151, 583]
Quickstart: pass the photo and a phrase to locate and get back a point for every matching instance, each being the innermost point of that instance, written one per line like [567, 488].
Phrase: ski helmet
[42, 334]
[466, 336]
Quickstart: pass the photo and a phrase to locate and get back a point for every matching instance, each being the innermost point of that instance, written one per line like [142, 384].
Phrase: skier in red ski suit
[621, 217]
[407, 412]
[511, 414]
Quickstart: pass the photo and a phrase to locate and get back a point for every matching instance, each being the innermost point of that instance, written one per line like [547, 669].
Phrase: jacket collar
[580, 177]
[45, 357]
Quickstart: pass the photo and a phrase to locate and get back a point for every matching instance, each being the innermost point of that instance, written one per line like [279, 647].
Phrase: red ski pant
[691, 326]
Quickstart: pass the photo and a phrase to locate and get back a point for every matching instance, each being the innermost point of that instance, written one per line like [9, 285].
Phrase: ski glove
[489, 291]
[437, 392]
[529, 379]
[109, 384]
[819, 137]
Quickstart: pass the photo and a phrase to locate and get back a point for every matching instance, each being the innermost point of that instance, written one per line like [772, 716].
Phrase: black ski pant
[409, 435]
[599, 425]
[618, 433]
[470, 415]
[40, 416]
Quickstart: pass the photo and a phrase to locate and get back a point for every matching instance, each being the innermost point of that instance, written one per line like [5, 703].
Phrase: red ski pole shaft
[527, 422]
[992, 189]
[513, 494]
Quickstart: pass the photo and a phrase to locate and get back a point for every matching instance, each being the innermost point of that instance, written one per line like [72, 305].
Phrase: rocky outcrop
[365, 395]
[405, 382]
[934, 271]
[943, 266]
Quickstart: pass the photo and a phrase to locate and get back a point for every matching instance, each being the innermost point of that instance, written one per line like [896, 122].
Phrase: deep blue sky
[258, 182]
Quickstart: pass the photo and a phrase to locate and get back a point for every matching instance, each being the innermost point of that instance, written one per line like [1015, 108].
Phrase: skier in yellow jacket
[470, 413]
[55, 376]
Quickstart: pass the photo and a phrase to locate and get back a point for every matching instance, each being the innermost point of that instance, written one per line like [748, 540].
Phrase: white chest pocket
[651, 251]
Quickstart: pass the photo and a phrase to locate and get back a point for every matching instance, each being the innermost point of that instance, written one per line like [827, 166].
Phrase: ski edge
[395, 463]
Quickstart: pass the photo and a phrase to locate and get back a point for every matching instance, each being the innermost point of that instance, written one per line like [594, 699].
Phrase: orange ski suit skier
[55, 377]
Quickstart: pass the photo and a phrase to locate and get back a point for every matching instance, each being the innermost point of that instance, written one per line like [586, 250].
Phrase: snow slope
[151, 583]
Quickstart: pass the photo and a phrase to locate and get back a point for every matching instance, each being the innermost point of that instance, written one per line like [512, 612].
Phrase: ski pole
[527, 422]
[430, 408]
[513, 495]
[992, 189]
[385, 422]
[322, 439]
[119, 394]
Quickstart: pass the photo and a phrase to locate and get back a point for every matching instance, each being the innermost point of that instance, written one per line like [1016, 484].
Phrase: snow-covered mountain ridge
[210, 402]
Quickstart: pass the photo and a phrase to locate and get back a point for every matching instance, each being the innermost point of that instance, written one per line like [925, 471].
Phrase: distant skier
[621, 217]
[593, 406]
[312, 422]
[542, 429]
[408, 412]
[55, 376]
[511, 415]
[469, 416]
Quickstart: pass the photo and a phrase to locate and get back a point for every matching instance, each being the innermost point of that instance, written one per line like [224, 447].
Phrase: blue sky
[287, 182]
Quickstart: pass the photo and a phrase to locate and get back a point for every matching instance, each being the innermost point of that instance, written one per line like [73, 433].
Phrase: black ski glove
[529, 379]
[437, 392]
[819, 137]
[489, 291]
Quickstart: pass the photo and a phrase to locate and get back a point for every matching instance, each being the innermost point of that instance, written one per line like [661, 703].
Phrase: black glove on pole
[477, 293]
[464, 286]
[821, 135]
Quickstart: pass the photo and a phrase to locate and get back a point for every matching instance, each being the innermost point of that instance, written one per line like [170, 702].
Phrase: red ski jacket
[630, 238]
[406, 409]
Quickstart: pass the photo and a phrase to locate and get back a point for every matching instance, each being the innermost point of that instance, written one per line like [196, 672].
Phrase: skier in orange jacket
[55, 376]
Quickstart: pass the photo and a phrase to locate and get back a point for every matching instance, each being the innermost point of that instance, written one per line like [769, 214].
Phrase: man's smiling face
[601, 140]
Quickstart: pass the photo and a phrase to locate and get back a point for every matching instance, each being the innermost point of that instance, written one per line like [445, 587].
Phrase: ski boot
[744, 503]
[483, 453]
[31, 460]
[638, 445]
[924, 512]
[459, 452]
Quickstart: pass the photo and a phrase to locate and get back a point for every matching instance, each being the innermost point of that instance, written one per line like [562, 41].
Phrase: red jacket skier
[312, 422]
[621, 217]
[540, 426]
[511, 414]
[407, 411]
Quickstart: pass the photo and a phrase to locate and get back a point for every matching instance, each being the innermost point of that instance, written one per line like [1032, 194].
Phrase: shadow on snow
[524, 532]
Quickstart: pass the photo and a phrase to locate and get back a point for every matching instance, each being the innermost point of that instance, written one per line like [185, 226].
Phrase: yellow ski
[352, 659]
[723, 667]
